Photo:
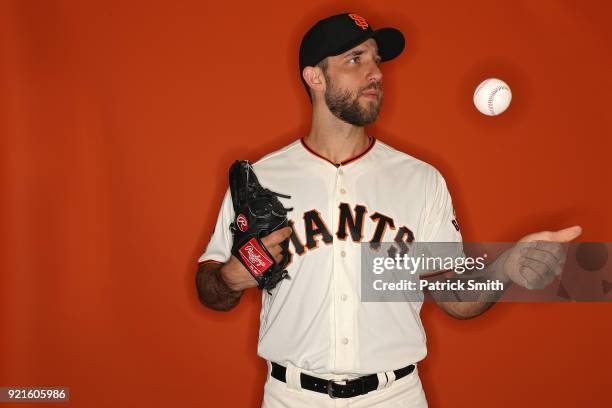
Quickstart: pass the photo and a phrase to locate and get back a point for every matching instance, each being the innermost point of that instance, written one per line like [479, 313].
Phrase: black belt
[352, 388]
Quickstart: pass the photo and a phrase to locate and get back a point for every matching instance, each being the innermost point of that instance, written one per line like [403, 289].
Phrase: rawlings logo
[253, 257]
[359, 21]
[242, 223]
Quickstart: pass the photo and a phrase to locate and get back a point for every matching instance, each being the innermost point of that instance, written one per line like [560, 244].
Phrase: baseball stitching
[492, 96]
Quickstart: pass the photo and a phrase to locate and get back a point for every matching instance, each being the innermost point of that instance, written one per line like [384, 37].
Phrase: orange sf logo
[360, 21]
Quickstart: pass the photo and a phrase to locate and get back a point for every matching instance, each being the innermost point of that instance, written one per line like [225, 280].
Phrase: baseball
[492, 96]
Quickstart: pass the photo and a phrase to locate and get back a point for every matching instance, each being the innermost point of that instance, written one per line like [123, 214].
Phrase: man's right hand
[237, 277]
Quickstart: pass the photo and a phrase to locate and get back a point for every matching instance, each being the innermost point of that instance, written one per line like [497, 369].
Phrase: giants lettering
[350, 223]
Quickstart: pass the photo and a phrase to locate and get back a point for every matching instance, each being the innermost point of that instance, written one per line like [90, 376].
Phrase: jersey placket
[343, 297]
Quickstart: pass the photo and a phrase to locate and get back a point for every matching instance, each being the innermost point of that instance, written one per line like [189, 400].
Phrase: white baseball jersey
[315, 320]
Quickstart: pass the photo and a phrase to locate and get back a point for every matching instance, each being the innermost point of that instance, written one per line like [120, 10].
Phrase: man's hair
[323, 65]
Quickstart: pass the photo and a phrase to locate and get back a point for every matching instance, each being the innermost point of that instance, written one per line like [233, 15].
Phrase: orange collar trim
[343, 162]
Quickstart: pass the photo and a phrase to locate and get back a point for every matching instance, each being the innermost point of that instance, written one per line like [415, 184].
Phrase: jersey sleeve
[440, 225]
[220, 245]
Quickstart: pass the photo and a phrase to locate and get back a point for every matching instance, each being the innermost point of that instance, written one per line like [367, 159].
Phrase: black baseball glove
[258, 212]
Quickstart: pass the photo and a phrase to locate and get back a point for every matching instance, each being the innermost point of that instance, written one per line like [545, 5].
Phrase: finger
[282, 234]
[275, 250]
[559, 268]
[547, 252]
[277, 237]
[532, 278]
[540, 270]
[525, 245]
[566, 235]
[278, 258]
[559, 251]
[552, 254]
[528, 276]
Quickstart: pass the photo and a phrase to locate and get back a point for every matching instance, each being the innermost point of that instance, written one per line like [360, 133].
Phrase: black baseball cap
[337, 34]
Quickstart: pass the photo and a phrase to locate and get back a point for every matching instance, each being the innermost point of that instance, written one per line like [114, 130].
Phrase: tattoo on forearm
[213, 291]
[489, 288]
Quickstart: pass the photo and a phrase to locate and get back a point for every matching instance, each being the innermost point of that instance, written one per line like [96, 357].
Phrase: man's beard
[347, 108]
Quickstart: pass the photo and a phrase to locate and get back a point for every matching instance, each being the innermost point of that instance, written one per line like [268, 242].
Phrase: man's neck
[335, 139]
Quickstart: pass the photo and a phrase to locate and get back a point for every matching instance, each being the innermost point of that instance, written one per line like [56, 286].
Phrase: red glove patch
[255, 257]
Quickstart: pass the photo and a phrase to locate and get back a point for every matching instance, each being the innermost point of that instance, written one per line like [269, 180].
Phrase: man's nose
[375, 74]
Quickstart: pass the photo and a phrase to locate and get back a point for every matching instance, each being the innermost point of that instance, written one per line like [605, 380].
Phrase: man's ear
[314, 78]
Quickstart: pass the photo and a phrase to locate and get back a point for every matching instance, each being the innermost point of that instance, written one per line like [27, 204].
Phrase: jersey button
[345, 341]
[342, 254]
[343, 297]
[342, 191]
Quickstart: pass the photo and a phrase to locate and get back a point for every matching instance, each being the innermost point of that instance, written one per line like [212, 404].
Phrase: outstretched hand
[538, 258]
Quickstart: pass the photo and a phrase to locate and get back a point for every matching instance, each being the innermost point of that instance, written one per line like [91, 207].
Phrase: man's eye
[355, 59]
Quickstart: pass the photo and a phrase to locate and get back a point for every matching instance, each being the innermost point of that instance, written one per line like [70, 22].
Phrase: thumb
[566, 235]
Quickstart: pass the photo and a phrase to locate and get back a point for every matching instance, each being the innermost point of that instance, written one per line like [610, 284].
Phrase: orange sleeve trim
[209, 261]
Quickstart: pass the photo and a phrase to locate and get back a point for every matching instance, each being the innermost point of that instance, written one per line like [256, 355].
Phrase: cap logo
[359, 21]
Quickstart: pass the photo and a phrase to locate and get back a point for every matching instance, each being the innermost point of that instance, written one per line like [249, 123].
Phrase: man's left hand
[538, 258]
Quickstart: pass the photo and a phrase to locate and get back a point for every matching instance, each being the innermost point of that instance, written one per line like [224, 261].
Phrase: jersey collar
[343, 162]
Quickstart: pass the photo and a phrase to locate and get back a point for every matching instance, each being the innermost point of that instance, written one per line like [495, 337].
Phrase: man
[321, 342]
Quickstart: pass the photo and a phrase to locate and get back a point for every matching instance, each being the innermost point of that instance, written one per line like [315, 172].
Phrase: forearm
[213, 292]
[466, 304]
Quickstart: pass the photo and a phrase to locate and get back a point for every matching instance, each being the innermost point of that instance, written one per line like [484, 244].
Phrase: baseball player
[324, 347]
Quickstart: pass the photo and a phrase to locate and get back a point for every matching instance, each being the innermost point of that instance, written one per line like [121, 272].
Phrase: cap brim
[390, 43]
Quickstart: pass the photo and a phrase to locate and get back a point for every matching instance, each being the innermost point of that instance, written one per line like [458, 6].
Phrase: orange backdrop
[119, 121]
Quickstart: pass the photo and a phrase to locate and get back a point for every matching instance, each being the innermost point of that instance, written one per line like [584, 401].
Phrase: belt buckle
[358, 380]
[330, 389]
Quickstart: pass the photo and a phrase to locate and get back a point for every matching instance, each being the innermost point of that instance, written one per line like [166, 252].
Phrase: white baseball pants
[407, 392]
